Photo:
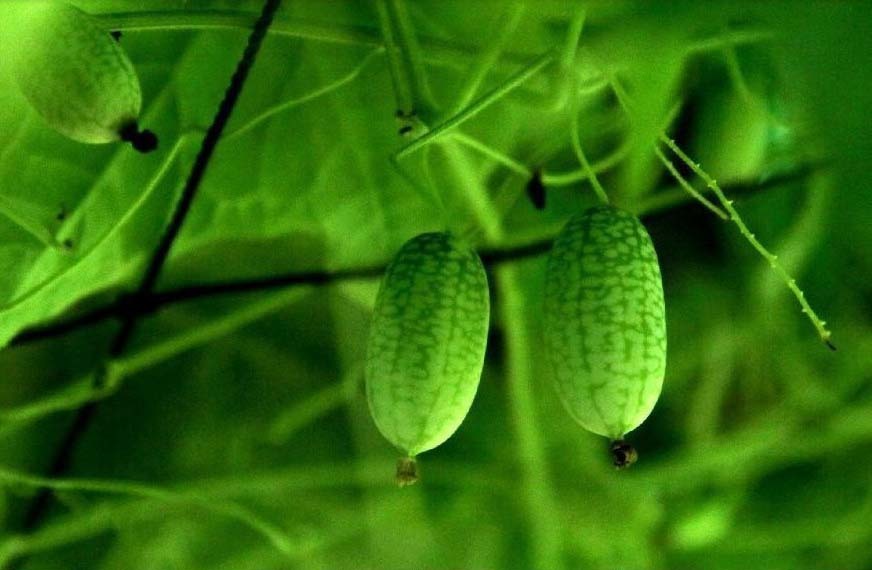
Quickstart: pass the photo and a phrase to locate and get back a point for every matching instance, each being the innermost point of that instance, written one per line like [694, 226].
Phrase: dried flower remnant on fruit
[623, 454]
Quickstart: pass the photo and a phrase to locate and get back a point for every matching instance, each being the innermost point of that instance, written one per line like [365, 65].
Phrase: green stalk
[289, 104]
[399, 79]
[423, 101]
[569, 178]
[83, 391]
[538, 493]
[489, 57]
[515, 166]
[733, 215]
[687, 187]
[817, 322]
[582, 158]
[273, 534]
[478, 106]
[536, 486]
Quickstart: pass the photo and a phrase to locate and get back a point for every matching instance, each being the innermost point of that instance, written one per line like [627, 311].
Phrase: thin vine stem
[422, 96]
[512, 164]
[215, 19]
[539, 492]
[549, 179]
[289, 104]
[676, 195]
[434, 49]
[733, 38]
[477, 106]
[727, 204]
[624, 102]
[267, 530]
[711, 183]
[479, 71]
[20, 213]
[572, 40]
[569, 178]
[79, 393]
[319, 404]
[399, 79]
[582, 158]
[84, 391]
[687, 186]
[567, 84]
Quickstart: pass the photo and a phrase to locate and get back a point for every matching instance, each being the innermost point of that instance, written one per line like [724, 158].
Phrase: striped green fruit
[75, 74]
[605, 322]
[427, 344]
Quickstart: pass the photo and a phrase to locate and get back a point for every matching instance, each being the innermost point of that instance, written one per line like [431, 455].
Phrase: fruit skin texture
[427, 342]
[605, 321]
[73, 72]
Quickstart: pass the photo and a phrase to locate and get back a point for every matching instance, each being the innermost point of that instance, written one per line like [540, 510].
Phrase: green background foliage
[236, 434]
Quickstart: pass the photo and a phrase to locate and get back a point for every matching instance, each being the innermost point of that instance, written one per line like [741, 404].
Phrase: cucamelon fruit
[605, 323]
[75, 74]
[426, 345]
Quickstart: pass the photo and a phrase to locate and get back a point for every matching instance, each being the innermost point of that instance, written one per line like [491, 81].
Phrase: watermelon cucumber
[426, 345]
[75, 74]
[605, 324]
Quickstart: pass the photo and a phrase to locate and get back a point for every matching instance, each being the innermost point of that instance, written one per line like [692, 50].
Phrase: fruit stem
[407, 471]
[582, 158]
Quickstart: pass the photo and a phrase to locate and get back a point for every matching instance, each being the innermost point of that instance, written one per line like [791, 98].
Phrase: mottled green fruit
[427, 342]
[73, 72]
[605, 323]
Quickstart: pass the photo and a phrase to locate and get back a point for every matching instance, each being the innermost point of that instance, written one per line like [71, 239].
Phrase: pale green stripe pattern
[605, 321]
[427, 342]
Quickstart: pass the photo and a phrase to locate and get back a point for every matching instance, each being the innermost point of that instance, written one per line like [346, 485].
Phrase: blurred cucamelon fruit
[75, 74]
[605, 323]
[426, 345]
